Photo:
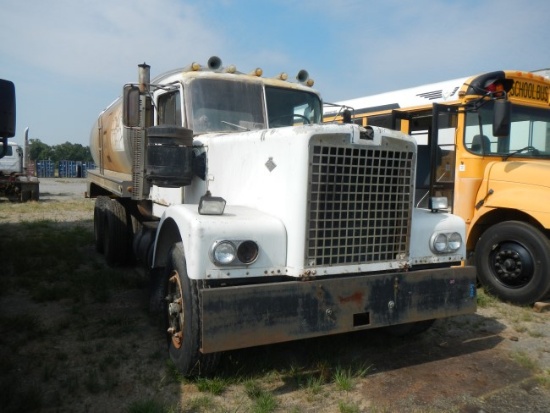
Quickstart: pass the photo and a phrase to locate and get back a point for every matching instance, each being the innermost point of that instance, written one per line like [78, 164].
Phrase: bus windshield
[529, 133]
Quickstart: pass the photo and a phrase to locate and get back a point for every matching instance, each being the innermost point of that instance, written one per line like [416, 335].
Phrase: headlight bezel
[231, 253]
[446, 242]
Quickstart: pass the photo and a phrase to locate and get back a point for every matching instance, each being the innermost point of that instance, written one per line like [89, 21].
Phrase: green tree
[71, 151]
[39, 150]
[67, 151]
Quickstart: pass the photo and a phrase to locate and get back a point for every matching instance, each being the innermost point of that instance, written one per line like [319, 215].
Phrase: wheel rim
[512, 264]
[175, 309]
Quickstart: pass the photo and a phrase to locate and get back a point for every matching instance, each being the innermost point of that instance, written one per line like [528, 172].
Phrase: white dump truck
[15, 183]
[260, 224]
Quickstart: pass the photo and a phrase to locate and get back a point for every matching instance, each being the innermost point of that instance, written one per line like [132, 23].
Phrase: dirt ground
[494, 361]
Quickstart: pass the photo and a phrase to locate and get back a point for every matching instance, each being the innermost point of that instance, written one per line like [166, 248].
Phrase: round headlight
[455, 241]
[440, 243]
[224, 253]
[247, 252]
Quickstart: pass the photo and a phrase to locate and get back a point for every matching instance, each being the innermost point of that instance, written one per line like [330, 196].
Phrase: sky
[70, 59]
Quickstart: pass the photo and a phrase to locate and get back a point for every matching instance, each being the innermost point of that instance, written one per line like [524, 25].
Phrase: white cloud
[94, 40]
[79, 53]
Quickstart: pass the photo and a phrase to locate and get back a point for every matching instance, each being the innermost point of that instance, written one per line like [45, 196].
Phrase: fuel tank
[110, 142]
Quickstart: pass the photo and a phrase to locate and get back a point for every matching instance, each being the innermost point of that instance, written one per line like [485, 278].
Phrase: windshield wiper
[235, 126]
[527, 148]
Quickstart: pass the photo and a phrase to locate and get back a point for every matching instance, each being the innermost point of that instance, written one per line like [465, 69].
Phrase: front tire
[513, 262]
[183, 319]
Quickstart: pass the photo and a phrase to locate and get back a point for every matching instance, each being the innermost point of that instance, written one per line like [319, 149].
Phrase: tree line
[38, 150]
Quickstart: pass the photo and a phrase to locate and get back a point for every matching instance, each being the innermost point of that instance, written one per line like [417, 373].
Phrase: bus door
[443, 151]
[434, 130]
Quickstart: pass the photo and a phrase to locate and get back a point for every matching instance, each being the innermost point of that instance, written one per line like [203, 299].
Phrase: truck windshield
[529, 133]
[288, 107]
[221, 105]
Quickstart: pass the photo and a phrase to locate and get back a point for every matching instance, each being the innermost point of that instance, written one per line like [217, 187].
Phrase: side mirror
[130, 106]
[502, 110]
[346, 116]
[7, 109]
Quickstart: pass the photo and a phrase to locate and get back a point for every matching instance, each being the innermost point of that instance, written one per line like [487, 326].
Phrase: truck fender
[238, 223]
[424, 225]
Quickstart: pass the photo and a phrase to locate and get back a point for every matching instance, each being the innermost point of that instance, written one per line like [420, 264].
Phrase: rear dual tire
[112, 231]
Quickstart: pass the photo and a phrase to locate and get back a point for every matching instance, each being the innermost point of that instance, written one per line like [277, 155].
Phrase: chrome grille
[359, 207]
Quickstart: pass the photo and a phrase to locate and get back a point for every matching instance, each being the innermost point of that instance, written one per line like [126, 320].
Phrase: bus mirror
[346, 116]
[501, 118]
[7, 109]
[130, 106]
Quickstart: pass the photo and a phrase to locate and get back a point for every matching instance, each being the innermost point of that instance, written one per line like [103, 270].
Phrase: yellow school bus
[484, 143]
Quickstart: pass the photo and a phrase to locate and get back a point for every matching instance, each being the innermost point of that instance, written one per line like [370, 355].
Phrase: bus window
[383, 121]
[478, 137]
[530, 128]
[540, 135]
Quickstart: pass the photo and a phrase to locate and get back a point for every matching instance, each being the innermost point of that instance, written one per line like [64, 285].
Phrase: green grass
[524, 360]
[215, 385]
[263, 401]
[49, 265]
[98, 343]
[57, 265]
[347, 407]
[485, 300]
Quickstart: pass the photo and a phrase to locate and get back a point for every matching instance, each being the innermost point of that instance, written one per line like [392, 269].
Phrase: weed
[536, 333]
[252, 389]
[215, 385]
[173, 374]
[265, 403]
[201, 404]
[544, 379]
[314, 384]
[524, 360]
[343, 379]
[346, 407]
[485, 300]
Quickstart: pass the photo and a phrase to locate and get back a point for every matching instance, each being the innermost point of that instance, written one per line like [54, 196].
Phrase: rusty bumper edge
[252, 315]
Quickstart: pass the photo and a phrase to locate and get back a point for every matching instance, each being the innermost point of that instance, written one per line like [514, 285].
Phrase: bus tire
[513, 262]
[183, 318]
[115, 236]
